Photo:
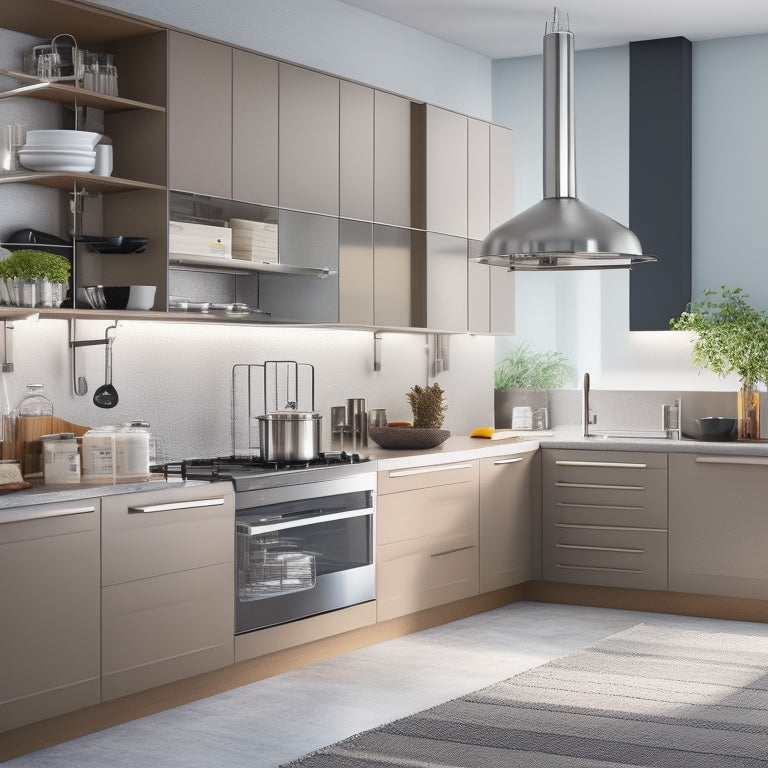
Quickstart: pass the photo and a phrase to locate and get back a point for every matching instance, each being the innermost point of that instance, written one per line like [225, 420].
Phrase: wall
[586, 315]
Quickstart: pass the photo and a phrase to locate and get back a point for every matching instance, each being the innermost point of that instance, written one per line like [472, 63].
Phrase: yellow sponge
[482, 432]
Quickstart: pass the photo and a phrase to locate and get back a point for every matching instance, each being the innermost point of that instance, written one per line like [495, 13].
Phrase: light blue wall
[340, 39]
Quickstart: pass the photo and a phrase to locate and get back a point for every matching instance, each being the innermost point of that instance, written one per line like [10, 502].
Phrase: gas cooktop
[250, 472]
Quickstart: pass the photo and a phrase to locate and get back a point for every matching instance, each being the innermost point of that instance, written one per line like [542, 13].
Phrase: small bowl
[407, 437]
[132, 297]
[717, 428]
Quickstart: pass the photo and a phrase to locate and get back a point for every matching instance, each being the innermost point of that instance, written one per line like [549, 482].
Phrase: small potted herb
[30, 278]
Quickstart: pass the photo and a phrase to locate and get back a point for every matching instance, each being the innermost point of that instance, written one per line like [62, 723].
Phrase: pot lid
[290, 415]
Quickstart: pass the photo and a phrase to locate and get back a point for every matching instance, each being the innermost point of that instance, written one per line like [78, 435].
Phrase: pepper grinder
[357, 421]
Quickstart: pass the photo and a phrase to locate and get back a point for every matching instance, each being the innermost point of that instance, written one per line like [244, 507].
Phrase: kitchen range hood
[560, 232]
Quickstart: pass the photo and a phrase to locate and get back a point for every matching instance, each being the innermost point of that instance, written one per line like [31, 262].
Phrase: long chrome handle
[19, 514]
[451, 551]
[631, 550]
[746, 460]
[425, 470]
[282, 525]
[621, 464]
[597, 568]
[622, 508]
[507, 461]
[170, 507]
[584, 527]
[600, 486]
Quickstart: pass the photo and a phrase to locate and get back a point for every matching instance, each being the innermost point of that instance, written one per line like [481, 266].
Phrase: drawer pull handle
[560, 484]
[425, 470]
[507, 461]
[759, 460]
[583, 527]
[20, 516]
[451, 551]
[174, 506]
[597, 568]
[600, 464]
[599, 506]
[629, 550]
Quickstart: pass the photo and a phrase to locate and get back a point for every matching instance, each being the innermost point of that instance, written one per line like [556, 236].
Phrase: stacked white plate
[254, 240]
[59, 150]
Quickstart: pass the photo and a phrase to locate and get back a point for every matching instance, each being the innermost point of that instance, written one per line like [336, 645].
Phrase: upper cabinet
[356, 151]
[392, 160]
[309, 141]
[199, 115]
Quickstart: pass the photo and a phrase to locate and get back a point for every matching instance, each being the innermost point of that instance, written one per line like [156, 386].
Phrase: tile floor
[267, 723]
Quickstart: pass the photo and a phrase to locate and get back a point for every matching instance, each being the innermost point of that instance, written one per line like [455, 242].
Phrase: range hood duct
[560, 232]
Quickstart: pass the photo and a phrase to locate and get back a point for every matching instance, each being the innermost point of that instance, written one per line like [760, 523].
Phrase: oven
[303, 549]
[304, 533]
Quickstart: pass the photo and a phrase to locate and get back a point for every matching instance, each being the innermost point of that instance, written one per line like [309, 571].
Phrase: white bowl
[57, 161]
[62, 139]
[141, 297]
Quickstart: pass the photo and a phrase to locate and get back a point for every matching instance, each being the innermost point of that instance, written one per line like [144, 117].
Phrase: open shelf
[218, 264]
[73, 95]
[71, 181]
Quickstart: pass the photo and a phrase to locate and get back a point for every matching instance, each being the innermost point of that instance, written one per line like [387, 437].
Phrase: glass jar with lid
[35, 403]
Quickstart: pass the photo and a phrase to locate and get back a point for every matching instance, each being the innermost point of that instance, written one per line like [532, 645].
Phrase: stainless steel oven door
[303, 550]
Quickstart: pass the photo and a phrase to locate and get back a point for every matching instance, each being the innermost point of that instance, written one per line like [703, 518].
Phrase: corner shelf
[240, 266]
[69, 181]
[64, 93]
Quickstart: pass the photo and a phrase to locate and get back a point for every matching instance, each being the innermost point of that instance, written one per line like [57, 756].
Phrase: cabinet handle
[597, 568]
[425, 470]
[584, 527]
[630, 550]
[170, 507]
[755, 460]
[599, 506]
[20, 516]
[560, 484]
[507, 461]
[451, 551]
[600, 464]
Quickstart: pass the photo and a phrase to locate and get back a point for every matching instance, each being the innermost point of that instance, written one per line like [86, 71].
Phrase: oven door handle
[252, 530]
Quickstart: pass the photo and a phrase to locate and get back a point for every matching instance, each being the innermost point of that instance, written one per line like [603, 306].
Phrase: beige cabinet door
[49, 604]
[392, 160]
[356, 151]
[355, 272]
[502, 288]
[478, 291]
[391, 276]
[309, 140]
[505, 521]
[718, 525]
[199, 115]
[478, 178]
[167, 597]
[254, 128]
[502, 190]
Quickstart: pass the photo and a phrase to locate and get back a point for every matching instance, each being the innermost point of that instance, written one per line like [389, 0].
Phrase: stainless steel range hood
[561, 232]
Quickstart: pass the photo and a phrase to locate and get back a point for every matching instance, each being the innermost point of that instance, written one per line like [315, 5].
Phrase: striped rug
[648, 696]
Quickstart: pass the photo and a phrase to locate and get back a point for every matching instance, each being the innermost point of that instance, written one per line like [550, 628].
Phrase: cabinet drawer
[448, 509]
[421, 573]
[411, 478]
[606, 556]
[148, 534]
[165, 628]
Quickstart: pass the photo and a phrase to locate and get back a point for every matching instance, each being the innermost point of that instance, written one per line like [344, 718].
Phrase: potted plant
[731, 337]
[30, 278]
[523, 378]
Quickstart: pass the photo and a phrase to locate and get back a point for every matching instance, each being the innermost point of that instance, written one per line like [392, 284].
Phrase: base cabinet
[427, 537]
[604, 518]
[718, 525]
[167, 586]
[505, 521]
[49, 604]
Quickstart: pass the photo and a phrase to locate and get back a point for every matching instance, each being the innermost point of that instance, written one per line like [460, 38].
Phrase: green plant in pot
[731, 337]
[34, 278]
[523, 378]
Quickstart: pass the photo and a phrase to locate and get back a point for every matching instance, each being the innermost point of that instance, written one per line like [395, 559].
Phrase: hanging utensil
[106, 395]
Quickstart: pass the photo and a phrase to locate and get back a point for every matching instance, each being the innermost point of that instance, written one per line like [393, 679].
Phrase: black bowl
[717, 428]
[116, 296]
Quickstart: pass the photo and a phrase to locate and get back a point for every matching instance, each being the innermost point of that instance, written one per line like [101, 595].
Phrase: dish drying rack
[261, 388]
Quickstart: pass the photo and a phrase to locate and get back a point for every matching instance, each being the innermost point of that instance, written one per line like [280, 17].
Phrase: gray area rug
[648, 696]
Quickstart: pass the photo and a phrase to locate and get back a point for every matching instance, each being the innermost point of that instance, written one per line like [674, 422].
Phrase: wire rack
[260, 388]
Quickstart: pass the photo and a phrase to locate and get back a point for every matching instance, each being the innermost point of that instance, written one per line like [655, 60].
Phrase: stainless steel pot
[290, 435]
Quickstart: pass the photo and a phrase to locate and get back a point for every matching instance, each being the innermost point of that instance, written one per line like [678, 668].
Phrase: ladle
[106, 395]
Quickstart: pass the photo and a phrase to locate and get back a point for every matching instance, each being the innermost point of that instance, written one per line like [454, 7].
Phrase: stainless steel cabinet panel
[392, 276]
[356, 151]
[502, 202]
[49, 603]
[200, 115]
[254, 128]
[392, 160]
[356, 288]
[309, 140]
[505, 520]
[718, 525]
[478, 178]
